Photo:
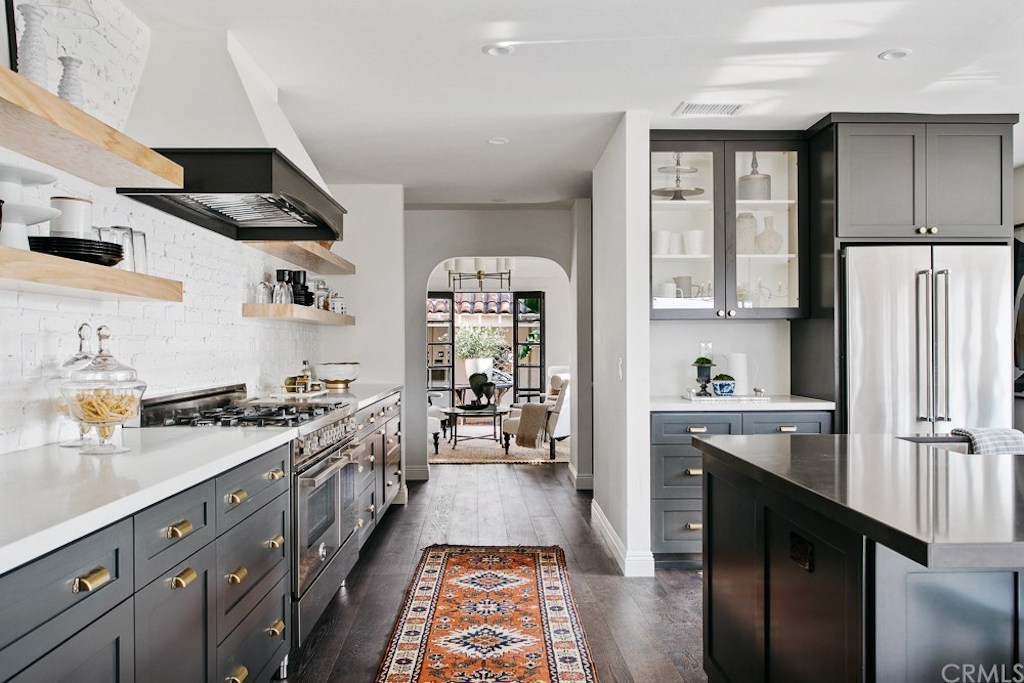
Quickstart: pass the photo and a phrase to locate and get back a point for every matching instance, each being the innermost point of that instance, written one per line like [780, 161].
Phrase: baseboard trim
[417, 473]
[581, 482]
[631, 563]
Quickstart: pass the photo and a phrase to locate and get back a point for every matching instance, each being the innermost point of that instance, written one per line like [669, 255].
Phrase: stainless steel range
[324, 546]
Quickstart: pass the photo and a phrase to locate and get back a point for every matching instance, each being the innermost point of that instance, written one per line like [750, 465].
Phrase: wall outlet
[31, 350]
[706, 350]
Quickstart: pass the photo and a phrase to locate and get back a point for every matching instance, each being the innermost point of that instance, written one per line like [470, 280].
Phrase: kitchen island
[859, 558]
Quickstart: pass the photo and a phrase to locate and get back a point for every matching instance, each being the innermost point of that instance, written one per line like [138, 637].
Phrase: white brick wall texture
[113, 56]
[201, 342]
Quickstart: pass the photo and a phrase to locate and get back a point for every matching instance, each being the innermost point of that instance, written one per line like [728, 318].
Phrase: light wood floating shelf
[308, 255]
[296, 314]
[29, 272]
[40, 125]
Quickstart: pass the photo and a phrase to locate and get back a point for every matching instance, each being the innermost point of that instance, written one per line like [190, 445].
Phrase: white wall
[432, 237]
[621, 226]
[373, 241]
[674, 345]
[202, 342]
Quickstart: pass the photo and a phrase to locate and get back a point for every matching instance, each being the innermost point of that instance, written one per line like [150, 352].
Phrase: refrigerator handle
[943, 416]
[923, 320]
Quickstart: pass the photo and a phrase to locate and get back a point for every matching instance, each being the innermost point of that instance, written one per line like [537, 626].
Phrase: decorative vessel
[32, 46]
[70, 86]
[770, 240]
[755, 185]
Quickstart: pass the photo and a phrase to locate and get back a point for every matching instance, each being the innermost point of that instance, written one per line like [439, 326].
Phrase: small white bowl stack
[17, 215]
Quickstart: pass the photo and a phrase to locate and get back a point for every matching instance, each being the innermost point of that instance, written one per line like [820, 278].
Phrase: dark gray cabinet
[923, 180]
[677, 474]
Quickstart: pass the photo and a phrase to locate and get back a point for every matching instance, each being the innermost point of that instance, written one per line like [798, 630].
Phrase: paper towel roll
[738, 365]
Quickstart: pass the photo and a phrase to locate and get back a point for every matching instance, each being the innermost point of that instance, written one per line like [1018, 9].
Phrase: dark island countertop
[938, 507]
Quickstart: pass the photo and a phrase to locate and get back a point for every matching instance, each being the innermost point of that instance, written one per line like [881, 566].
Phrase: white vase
[70, 86]
[32, 47]
[475, 365]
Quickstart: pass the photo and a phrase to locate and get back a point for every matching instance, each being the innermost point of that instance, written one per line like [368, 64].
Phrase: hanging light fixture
[464, 273]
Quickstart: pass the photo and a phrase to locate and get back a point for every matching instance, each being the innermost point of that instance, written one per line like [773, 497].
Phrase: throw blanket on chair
[530, 423]
[991, 440]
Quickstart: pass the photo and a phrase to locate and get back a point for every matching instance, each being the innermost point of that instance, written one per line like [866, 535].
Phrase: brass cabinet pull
[371, 509]
[381, 431]
[786, 428]
[732, 312]
[238, 576]
[720, 313]
[694, 526]
[372, 458]
[239, 496]
[180, 530]
[390, 441]
[360, 468]
[933, 230]
[275, 474]
[697, 430]
[276, 542]
[91, 581]
[276, 629]
[372, 419]
[182, 580]
[922, 231]
[237, 675]
[391, 483]
[360, 523]
[694, 471]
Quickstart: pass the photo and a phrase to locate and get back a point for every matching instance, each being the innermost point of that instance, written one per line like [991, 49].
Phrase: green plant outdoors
[479, 342]
[525, 348]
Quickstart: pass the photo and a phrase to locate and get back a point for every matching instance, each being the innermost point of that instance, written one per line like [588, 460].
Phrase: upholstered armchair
[557, 424]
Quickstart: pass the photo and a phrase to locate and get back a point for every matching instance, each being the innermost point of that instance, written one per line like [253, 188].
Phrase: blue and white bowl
[723, 387]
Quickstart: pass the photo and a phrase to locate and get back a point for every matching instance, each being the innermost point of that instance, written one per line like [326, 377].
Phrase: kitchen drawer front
[787, 423]
[366, 465]
[367, 514]
[676, 472]
[104, 652]
[250, 486]
[679, 428]
[247, 567]
[175, 622]
[260, 641]
[676, 526]
[168, 532]
[392, 434]
[39, 607]
[392, 482]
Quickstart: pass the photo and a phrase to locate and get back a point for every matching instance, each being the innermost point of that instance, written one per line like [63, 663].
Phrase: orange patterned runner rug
[489, 614]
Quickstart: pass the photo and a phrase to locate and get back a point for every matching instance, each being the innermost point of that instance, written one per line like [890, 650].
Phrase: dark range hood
[246, 194]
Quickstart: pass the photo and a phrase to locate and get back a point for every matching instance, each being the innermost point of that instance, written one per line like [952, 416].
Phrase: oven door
[319, 525]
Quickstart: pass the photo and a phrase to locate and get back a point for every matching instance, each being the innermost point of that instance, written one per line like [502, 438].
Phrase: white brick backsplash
[201, 342]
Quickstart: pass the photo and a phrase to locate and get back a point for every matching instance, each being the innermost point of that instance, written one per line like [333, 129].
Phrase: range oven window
[321, 511]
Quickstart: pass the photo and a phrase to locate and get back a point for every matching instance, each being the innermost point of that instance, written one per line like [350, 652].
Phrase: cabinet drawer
[787, 423]
[248, 565]
[104, 652]
[39, 603]
[366, 465]
[679, 428]
[392, 433]
[259, 643]
[168, 532]
[392, 481]
[676, 472]
[175, 622]
[367, 514]
[676, 526]
[250, 486]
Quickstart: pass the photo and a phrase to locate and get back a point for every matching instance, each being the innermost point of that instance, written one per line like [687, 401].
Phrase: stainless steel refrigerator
[928, 338]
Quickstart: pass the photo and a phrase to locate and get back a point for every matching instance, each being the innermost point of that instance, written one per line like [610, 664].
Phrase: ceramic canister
[738, 365]
[75, 219]
[660, 242]
[693, 241]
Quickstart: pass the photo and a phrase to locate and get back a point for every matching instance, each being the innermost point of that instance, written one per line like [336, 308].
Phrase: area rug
[489, 614]
[488, 451]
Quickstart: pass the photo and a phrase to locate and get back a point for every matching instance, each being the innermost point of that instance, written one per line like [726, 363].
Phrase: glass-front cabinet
[727, 228]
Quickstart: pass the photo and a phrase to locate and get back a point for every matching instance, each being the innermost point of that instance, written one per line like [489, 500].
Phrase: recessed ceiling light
[498, 141]
[895, 53]
[498, 49]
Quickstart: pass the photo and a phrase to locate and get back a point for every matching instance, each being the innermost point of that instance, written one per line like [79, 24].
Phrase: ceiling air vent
[694, 109]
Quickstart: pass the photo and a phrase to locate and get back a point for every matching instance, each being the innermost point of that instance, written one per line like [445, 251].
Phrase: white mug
[684, 285]
[693, 240]
[665, 290]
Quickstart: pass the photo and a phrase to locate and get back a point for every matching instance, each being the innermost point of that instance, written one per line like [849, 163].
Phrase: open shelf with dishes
[296, 314]
[35, 273]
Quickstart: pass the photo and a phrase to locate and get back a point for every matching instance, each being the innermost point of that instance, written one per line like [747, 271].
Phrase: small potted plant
[703, 365]
[723, 385]
[479, 346]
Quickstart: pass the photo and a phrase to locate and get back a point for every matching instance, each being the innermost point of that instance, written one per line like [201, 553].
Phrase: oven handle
[355, 451]
[336, 464]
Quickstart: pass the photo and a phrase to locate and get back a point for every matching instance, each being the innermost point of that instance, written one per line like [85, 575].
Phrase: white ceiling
[399, 91]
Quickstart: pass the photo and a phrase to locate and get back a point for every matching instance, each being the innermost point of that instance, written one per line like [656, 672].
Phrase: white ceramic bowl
[337, 375]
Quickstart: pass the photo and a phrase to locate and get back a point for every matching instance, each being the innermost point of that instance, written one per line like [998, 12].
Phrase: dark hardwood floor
[642, 630]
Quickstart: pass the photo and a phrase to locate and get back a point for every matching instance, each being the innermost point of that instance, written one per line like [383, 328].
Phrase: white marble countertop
[51, 496]
[678, 404]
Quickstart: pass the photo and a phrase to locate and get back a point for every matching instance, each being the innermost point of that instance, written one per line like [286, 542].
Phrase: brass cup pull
[180, 530]
[237, 675]
[239, 496]
[371, 508]
[276, 629]
[276, 542]
[182, 580]
[697, 430]
[360, 523]
[238, 576]
[275, 474]
[694, 471]
[91, 581]
[786, 428]
[694, 526]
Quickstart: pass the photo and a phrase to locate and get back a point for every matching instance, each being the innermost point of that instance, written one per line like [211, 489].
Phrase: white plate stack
[17, 215]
